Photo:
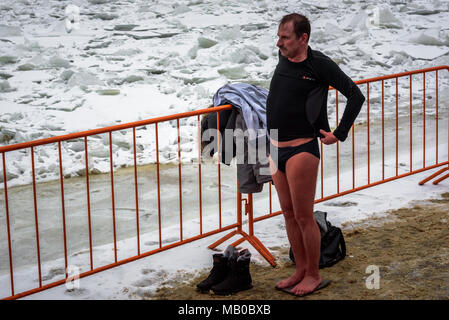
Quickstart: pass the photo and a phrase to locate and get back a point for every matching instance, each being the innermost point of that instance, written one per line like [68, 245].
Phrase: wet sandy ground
[409, 246]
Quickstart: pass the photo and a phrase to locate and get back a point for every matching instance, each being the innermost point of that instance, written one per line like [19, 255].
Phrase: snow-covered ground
[123, 61]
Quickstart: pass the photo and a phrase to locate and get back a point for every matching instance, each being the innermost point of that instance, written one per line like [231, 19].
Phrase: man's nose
[279, 43]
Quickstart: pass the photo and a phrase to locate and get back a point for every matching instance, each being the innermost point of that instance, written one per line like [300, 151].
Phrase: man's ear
[305, 37]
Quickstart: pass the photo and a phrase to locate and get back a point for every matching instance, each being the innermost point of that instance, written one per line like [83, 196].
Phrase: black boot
[239, 278]
[218, 273]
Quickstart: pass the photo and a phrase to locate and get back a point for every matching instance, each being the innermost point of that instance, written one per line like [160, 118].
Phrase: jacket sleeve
[335, 77]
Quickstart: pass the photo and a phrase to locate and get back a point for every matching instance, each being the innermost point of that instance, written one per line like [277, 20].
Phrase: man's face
[289, 44]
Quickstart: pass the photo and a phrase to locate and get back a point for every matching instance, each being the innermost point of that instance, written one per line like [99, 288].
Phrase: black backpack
[333, 247]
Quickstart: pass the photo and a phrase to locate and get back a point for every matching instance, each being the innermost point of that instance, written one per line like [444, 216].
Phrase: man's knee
[289, 214]
[305, 220]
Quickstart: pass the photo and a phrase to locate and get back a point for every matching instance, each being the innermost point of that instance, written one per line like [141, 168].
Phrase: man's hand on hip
[329, 137]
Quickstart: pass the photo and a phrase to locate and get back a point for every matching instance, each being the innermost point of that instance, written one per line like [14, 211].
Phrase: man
[296, 116]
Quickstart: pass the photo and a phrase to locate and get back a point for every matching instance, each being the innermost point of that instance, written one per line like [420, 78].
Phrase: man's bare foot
[307, 285]
[291, 281]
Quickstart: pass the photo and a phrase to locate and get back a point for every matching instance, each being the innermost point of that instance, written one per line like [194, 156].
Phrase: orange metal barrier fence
[248, 207]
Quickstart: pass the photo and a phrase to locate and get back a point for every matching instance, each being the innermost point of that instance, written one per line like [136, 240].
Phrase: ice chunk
[66, 74]
[398, 58]
[5, 7]
[40, 62]
[5, 76]
[121, 141]
[428, 37]
[99, 151]
[205, 43]
[333, 29]
[320, 36]
[8, 31]
[353, 38]
[254, 26]
[99, 1]
[101, 45]
[29, 45]
[76, 146]
[125, 27]
[108, 92]
[72, 10]
[247, 55]
[419, 51]
[192, 53]
[6, 87]
[149, 35]
[83, 78]
[128, 79]
[132, 78]
[434, 8]
[357, 21]
[127, 52]
[8, 60]
[58, 62]
[72, 18]
[171, 60]
[9, 176]
[66, 105]
[230, 33]
[233, 73]
[26, 67]
[7, 134]
[105, 16]
[383, 17]
[180, 9]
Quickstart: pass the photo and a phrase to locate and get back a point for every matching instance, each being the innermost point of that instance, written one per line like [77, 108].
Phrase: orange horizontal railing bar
[124, 126]
[401, 74]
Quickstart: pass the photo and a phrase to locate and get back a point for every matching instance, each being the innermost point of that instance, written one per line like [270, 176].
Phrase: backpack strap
[342, 245]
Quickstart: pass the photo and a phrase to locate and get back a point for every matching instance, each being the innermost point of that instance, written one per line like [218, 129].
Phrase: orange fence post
[88, 203]
[179, 181]
[61, 178]
[36, 219]
[397, 128]
[199, 175]
[136, 191]
[158, 186]
[113, 195]
[8, 229]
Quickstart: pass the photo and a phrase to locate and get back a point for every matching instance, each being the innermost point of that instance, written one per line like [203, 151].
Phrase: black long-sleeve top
[297, 100]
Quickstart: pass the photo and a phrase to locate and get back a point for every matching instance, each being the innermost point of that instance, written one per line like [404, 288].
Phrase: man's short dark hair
[300, 23]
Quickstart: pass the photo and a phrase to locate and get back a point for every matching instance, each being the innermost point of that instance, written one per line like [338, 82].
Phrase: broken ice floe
[206, 43]
[417, 51]
[383, 17]
[6, 87]
[83, 78]
[10, 31]
[429, 38]
[72, 18]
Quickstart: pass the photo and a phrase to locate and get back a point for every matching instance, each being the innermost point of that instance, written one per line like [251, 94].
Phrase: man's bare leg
[293, 230]
[301, 172]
